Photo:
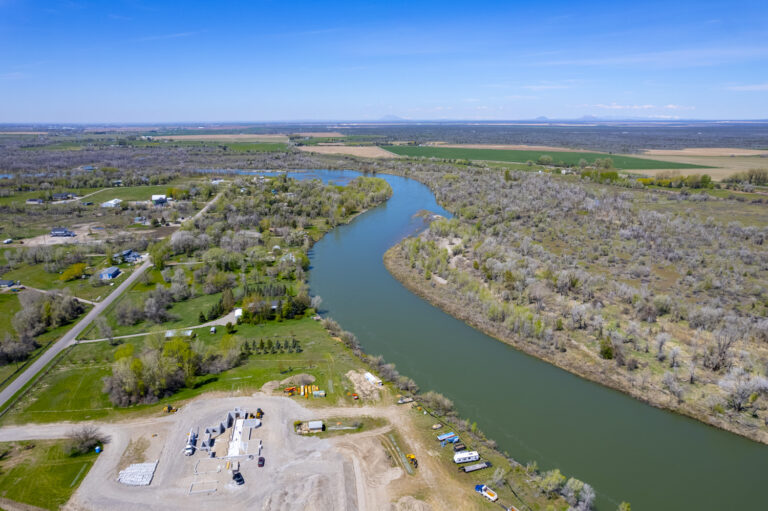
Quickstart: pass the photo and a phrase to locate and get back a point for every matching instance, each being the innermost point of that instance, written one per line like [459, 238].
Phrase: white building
[315, 426]
[111, 203]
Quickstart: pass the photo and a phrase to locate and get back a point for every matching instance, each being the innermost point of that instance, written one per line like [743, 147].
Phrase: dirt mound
[298, 379]
[270, 386]
[363, 388]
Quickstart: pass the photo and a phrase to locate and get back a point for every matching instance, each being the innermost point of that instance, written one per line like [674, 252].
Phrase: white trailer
[465, 457]
[372, 379]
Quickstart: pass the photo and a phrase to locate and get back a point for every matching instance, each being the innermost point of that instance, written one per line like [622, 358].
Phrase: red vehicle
[261, 461]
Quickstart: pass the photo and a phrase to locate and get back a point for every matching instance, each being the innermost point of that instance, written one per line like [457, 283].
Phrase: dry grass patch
[362, 151]
[721, 166]
[707, 151]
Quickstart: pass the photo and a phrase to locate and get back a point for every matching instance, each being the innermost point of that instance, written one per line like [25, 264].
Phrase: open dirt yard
[92, 233]
[707, 151]
[345, 472]
[82, 236]
[362, 151]
[320, 134]
[243, 137]
[510, 147]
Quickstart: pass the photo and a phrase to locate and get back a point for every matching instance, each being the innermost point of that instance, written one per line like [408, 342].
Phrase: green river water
[625, 449]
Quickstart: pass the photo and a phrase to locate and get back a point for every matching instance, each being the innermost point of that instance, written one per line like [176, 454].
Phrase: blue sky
[152, 61]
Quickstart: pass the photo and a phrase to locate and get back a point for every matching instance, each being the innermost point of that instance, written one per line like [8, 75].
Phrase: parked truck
[486, 492]
[189, 450]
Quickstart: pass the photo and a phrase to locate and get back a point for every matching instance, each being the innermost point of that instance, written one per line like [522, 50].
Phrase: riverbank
[435, 293]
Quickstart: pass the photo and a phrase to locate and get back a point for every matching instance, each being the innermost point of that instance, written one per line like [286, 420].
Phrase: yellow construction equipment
[412, 459]
[170, 409]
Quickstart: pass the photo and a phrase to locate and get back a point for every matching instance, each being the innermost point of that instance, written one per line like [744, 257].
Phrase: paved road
[69, 338]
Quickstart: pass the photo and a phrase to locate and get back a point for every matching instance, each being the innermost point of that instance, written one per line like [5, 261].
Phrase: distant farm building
[62, 196]
[109, 273]
[159, 200]
[62, 232]
[111, 203]
[7, 283]
[34, 201]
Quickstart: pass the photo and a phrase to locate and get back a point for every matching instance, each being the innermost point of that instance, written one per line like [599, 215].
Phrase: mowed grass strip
[519, 156]
[40, 473]
[74, 390]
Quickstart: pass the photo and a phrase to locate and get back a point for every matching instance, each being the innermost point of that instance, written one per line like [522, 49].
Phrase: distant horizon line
[394, 121]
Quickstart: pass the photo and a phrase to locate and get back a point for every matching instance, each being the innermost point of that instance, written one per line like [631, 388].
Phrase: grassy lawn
[19, 197]
[183, 314]
[40, 473]
[73, 390]
[9, 305]
[129, 193]
[569, 158]
[35, 276]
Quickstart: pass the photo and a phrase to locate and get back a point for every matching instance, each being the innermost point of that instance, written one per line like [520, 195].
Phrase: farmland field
[568, 158]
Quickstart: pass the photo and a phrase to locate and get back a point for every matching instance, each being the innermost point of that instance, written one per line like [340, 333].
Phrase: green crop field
[566, 157]
[40, 473]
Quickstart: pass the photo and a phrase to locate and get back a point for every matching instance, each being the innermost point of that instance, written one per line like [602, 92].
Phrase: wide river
[625, 449]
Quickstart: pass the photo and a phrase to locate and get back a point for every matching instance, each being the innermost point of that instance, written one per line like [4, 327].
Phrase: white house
[111, 203]
[159, 199]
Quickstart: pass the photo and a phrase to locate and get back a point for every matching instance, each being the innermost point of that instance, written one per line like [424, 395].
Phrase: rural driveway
[69, 338]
